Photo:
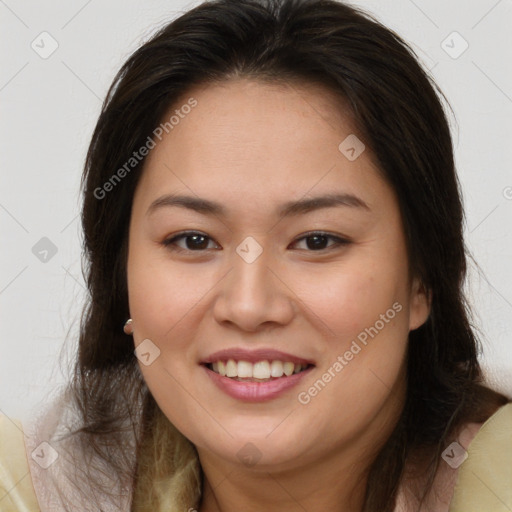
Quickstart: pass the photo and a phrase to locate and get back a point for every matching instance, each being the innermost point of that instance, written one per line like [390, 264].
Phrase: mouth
[255, 376]
[259, 371]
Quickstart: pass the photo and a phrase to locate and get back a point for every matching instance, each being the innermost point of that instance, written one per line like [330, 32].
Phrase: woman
[271, 211]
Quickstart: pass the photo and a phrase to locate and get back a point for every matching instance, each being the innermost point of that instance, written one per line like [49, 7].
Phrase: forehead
[258, 140]
[246, 115]
[265, 97]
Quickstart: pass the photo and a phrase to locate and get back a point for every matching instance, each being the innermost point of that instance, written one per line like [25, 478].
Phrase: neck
[327, 486]
[333, 481]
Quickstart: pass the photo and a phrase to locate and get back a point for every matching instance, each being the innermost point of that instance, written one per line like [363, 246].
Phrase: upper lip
[253, 356]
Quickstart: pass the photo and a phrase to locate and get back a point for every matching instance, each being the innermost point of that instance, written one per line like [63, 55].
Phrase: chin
[261, 451]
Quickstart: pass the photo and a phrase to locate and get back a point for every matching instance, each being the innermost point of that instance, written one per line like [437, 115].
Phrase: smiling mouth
[260, 371]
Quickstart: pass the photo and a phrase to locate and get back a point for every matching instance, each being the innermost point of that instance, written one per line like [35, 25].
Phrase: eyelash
[168, 243]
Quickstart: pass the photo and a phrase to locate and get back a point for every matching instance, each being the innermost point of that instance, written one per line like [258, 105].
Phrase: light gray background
[49, 108]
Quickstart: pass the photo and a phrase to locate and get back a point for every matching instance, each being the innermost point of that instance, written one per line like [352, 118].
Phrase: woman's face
[268, 280]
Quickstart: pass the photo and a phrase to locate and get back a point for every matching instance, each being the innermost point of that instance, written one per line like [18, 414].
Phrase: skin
[252, 146]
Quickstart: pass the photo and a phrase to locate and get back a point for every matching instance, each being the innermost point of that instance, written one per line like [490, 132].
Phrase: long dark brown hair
[398, 110]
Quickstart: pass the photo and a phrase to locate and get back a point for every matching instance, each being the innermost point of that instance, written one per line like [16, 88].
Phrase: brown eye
[198, 242]
[316, 241]
[193, 241]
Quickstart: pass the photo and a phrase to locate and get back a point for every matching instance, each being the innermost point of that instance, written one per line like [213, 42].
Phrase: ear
[420, 304]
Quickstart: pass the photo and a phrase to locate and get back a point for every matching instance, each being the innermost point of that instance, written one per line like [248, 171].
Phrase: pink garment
[61, 485]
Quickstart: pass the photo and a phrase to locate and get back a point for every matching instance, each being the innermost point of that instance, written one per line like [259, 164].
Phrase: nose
[253, 295]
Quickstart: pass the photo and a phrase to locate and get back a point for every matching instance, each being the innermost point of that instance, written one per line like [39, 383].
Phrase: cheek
[165, 303]
[363, 361]
[365, 313]
[162, 294]
[348, 299]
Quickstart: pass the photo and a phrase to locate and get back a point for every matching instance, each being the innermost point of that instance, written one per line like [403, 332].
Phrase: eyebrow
[298, 207]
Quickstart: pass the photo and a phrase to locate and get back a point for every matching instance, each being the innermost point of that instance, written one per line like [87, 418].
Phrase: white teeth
[231, 368]
[276, 369]
[262, 370]
[244, 369]
[288, 368]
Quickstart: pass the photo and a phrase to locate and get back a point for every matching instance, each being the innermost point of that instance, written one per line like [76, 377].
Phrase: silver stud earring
[128, 328]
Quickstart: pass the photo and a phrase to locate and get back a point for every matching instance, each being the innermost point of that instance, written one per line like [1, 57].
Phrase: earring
[128, 329]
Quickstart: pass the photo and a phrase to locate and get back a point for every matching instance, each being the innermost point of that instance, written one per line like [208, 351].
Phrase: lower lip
[256, 391]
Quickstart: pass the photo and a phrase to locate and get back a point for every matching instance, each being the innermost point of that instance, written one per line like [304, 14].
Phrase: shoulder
[16, 489]
[485, 473]
[474, 474]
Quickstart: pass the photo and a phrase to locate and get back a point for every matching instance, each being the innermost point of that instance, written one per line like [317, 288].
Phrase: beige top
[484, 478]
